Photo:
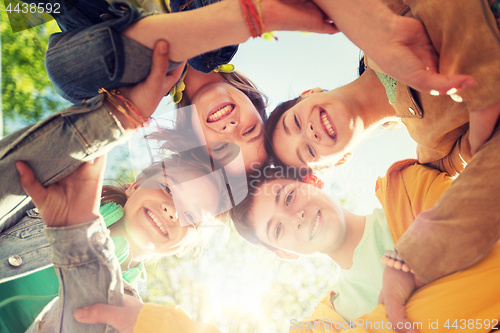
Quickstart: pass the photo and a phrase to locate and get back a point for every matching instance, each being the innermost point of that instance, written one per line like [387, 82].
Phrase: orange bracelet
[253, 14]
[244, 8]
[130, 106]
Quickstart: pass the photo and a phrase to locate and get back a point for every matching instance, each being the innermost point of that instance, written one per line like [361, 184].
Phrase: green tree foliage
[27, 94]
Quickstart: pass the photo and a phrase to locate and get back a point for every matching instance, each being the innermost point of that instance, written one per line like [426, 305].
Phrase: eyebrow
[255, 138]
[277, 200]
[287, 131]
[300, 156]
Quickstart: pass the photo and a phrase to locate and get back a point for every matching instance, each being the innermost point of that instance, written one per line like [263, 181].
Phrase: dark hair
[175, 139]
[361, 65]
[271, 125]
[240, 214]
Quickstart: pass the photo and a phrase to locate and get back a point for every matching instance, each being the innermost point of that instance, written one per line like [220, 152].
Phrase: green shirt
[358, 288]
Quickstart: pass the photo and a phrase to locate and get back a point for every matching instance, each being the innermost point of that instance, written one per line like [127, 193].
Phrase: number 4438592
[465, 324]
[32, 8]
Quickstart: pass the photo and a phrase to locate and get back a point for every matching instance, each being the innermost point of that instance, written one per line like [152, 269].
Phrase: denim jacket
[90, 53]
[54, 148]
[83, 257]
[24, 248]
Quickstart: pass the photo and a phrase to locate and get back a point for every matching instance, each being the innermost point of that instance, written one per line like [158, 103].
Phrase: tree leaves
[27, 94]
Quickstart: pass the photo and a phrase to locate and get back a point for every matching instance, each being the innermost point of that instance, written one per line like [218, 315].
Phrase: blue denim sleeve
[89, 273]
[91, 56]
[54, 148]
[87, 55]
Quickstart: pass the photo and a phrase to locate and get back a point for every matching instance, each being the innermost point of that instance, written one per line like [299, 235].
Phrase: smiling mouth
[327, 126]
[220, 113]
[162, 228]
[316, 225]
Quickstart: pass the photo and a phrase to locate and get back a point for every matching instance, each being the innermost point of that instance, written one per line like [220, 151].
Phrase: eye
[189, 217]
[310, 151]
[278, 230]
[165, 188]
[289, 197]
[250, 130]
[296, 121]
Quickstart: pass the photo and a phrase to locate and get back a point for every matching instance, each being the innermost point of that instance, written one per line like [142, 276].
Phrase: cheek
[136, 231]
[250, 116]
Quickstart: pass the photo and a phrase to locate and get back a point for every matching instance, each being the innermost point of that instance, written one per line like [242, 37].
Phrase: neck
[355, 227]
[136, 254]
[366, 96]
[194, 80]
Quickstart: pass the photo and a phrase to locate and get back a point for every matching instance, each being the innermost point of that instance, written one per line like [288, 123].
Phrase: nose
[312, 133]
[170, 212]
[229, 127]
[298, 219]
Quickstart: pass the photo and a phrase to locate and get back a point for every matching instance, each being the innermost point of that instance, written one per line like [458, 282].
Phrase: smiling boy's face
[297, 217]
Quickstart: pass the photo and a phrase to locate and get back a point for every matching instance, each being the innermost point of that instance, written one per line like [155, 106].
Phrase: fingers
[159, 65]
[172, 78]
[406, 268]
[147, 95]
[436, 84]
[482, 125]
[93, 169]
[30, 184]
[122, 318]
[384, 260]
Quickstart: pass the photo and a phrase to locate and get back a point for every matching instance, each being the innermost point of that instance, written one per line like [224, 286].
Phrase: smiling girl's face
[320, 125]
[160, 225]
[227, 115]
[297, 217]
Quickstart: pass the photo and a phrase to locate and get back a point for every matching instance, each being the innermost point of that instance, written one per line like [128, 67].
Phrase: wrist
[253, 13]
[125, 111]
[126, 124]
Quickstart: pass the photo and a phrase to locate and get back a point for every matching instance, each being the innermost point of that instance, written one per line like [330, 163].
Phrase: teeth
[158, 223]
[221, 113]
[316, 224]
[327, 124]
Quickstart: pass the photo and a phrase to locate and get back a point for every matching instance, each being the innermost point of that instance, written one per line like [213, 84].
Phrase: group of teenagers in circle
[71, 247]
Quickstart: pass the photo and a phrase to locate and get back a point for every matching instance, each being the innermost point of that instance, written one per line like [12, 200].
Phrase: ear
[345, 158]
[282, 254]
[131, 189]
[309, 92]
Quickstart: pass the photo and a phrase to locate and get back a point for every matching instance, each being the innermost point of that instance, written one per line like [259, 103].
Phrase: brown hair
[271, 125]
[175, 139]
[241, 213]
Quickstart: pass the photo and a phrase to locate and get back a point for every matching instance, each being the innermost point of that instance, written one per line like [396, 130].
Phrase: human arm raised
[398, 45]
[221, 24]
